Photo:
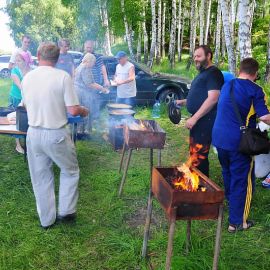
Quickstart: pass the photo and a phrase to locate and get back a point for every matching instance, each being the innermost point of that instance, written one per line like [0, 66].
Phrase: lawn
[109, 230]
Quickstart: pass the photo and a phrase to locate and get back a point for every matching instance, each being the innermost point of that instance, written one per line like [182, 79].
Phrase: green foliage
[41, 19]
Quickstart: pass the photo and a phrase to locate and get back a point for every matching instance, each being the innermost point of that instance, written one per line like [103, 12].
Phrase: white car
[4, 62]
[77, 57]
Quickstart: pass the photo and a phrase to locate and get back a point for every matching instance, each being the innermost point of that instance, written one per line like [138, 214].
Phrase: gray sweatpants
[45, 146]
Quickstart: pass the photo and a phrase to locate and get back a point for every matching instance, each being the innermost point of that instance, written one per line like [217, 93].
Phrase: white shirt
[46, 92]
[126, 90]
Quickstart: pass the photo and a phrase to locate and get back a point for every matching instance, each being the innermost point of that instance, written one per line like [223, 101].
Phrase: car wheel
[5, 73]
[169, 95]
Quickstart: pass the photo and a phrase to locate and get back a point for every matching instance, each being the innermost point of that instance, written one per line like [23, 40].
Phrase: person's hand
[84, 111]
[118, 81]
[191, 122]
[107, 83]
[180, 102]
[105, 90]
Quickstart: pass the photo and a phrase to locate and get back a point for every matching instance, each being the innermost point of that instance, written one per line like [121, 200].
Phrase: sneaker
[19, 149]
[266, 182]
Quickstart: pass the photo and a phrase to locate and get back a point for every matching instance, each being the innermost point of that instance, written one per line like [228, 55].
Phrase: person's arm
[181, 102]
[16, 81]
[265, 119]
[131, 77]
[77, 110]
[206, 107]
[98, 87]
[105, 76]
[12, 60]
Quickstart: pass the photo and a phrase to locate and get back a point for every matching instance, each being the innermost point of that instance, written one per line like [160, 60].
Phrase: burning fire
[140, 126]
[190, 180]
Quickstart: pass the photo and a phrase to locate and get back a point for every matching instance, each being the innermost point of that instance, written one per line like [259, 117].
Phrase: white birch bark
[267, 72]
[159, 30]
[145, 34]
[105, 23]
[207, 25]
[244, 32]
[153, 35]
[163, 29]
[193, 19]
[181, 38]
[202, 20]
[179, 33]
[172, 36]
[217, 39]
[128, 30]
[139, 45]
[228, 35]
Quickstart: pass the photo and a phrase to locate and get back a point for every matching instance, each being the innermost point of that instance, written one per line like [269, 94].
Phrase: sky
[6, 42]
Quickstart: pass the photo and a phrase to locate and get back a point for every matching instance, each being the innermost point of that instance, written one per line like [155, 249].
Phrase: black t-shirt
[209, 79]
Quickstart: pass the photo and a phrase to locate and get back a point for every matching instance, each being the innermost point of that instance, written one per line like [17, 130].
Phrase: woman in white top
[125, 80]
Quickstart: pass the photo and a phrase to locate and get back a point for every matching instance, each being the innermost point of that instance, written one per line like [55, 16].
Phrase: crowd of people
[56, 88]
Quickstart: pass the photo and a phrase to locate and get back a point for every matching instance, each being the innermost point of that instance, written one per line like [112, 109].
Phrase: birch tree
[139, 45]
[193, 5]
[127, 30]
[172, 36]
[218, 38]
[159, 32]
[181, 38]
[202, 20]
[163, 29]
[267, 72]
[105, 24]
[153, 35]
[228, 35]
[145, 34]
[244, 32]
[179, 30]
[207, 25]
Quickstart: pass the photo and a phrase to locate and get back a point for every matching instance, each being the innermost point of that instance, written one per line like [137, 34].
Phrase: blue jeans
[129, 101]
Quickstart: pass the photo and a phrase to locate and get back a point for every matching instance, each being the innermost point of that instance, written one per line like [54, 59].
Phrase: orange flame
[190, 180]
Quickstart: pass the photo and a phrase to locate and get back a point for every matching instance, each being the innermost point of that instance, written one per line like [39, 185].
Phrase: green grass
[109, 231]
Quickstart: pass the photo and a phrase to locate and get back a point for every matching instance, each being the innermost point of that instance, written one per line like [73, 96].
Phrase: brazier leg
[125, 173]
[122, 157]
[218, 237]
[170, 241]
[147, 223]
[188, 240]
[159, 157]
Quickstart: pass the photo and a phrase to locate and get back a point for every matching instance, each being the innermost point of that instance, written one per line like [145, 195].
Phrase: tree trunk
[208, 15]
[180, 26]
[193, 5]
[154, 34]
[267, 72]
[202, 20]
[128, 30]
[228, 35]
[159, 32]
[218, 28]
[139, 46]
[244, 32]
[105, 23]
[163, 29]
[145, 35]
[172, 36]
[181, 38]
[223, 44]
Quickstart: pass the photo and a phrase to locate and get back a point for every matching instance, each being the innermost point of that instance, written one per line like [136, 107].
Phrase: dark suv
[150, 86]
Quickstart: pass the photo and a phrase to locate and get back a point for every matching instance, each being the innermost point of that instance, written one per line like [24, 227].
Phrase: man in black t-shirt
[201, 103]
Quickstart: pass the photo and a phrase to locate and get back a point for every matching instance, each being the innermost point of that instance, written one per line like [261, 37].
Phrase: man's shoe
[47, 227]
[67, 218]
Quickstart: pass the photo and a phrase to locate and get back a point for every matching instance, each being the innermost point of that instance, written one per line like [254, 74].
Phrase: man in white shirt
[125, 80]
[26, 41]
[48, 95]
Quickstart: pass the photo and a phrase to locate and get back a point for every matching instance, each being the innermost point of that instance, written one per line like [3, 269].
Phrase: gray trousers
[45, 146]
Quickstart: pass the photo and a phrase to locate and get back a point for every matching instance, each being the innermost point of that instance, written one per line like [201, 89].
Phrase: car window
[4, 59]
[111, 67]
